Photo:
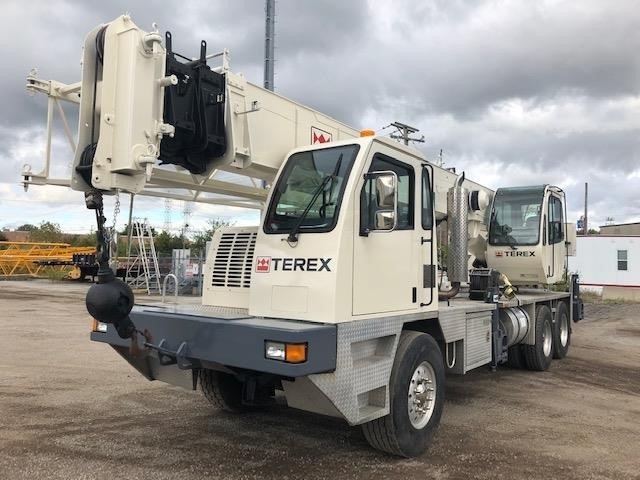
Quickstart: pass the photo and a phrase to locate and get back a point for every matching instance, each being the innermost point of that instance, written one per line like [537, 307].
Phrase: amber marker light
[367, 133]
[296, 352]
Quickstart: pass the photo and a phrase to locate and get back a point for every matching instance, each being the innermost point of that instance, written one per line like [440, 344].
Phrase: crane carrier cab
[335, 299]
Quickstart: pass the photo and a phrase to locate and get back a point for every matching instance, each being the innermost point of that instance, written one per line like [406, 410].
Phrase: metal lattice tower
[144, 271]
[168, 205]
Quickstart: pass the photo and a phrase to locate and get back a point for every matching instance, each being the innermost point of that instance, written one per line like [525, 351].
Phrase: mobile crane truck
[334, 299]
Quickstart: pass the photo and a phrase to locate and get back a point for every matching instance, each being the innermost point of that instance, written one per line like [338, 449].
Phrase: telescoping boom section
[145, 104]
[372, 274]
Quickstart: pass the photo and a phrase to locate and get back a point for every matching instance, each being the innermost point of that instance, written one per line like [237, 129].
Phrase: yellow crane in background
[37, 259]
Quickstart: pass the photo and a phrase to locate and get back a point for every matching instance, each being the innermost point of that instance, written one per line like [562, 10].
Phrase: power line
[403, 132]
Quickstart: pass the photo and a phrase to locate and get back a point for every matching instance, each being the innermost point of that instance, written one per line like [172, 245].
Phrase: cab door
[555, 237]
[428, 247]
[386, 257]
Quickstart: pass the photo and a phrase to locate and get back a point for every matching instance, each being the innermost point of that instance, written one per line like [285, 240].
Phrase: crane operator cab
[528, 238]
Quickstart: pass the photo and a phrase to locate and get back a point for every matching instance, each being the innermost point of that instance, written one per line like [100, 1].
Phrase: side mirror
[381, 213]
[386, 189]
[385, 220]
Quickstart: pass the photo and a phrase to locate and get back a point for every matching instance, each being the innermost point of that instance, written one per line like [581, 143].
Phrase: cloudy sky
[513, 92]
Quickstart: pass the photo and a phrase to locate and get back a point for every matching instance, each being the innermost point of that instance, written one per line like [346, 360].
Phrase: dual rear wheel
[561, 331]
[552, 340]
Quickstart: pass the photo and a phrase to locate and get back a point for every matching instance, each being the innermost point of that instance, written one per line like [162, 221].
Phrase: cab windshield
[515, 218]
[309, 192]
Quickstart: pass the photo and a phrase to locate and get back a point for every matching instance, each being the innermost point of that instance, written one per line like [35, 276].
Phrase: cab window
[309, 191]
[427, 201]
[556, 224]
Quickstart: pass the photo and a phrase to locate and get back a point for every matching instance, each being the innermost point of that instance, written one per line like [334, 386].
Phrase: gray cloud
[519, 49]
[546, 91]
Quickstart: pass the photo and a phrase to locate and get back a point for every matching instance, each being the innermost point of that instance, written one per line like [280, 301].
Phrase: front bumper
[232, 341]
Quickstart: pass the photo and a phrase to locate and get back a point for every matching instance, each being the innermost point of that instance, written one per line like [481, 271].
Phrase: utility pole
[186, 216]
[404, 131]
[270, 21]
[586, 189]
[269, 49]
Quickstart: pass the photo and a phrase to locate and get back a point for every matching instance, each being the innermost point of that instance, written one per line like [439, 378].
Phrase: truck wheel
[561, 331]
[538, 356]
[515, 357]
[416, 398]
[222, 390]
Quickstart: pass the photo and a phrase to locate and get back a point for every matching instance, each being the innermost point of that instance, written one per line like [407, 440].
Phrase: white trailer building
[609, 265]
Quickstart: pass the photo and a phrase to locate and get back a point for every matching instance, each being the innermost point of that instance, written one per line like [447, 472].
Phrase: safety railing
[175, 285]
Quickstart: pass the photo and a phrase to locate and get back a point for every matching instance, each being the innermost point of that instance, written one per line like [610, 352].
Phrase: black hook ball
[110, 302]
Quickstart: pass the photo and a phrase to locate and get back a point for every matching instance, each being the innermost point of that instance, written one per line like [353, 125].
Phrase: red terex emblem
[498, 253]
[263, 264]
[319, 136]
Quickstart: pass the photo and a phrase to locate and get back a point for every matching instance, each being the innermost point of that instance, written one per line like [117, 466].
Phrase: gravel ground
[71, 408]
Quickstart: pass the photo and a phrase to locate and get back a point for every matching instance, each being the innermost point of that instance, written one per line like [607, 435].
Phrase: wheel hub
[546, 339]
[422, 395]
[564, 330]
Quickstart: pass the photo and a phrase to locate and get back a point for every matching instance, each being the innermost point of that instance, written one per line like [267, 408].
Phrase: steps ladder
[143, 272]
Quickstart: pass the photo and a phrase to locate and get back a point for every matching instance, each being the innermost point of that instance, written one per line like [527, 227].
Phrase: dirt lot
[70, 408]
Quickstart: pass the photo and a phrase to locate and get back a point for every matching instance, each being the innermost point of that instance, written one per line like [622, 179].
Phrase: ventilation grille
[234, 260]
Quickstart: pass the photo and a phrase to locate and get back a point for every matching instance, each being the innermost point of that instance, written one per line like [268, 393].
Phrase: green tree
[200, 238]
[47, 232]
[81, 240]
[27, 227]
[166, 242]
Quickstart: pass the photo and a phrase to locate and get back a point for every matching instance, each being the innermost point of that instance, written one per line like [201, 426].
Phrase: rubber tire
[222, 390]
[559, 350]
[534, 356]
[394, 433]
[515, 357]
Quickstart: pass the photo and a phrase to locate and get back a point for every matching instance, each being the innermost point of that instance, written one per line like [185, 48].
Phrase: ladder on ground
[143, 272]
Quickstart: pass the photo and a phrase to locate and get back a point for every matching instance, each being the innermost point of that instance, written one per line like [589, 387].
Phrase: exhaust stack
[458, 208]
